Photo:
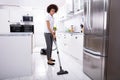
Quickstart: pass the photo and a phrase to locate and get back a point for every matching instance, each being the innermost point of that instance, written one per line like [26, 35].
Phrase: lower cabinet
[76, 47]
[71, 44]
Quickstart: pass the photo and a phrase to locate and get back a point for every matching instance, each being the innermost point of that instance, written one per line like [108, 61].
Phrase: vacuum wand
[61, 72]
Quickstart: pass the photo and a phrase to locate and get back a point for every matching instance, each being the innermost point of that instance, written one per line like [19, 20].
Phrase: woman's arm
[51, 30]
[48, 26]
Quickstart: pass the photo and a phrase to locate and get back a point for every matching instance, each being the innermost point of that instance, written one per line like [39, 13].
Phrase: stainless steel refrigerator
[101, 60]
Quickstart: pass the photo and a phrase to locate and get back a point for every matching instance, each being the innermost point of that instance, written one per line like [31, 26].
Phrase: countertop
[16, 34]
[71, 33]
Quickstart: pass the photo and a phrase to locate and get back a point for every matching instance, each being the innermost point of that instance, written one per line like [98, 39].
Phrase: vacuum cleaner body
[43, 51]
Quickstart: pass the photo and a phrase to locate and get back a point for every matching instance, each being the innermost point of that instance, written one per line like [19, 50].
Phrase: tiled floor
[46, 72]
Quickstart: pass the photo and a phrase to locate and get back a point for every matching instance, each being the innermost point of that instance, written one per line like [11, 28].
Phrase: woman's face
[52, 11]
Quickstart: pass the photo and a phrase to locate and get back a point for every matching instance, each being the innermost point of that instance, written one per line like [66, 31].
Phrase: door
[87, 17]
[70, 7]
[94, 11]
[94, 43]
[78, 5]
[94, 38]
[97, 11]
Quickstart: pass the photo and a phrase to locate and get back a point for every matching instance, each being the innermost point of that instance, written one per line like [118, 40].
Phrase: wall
[66, 20]
[14, 14]
[76, 21]
[11, 15]
[39, 23]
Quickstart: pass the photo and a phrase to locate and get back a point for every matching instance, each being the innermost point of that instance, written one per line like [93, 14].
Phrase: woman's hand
[54, 37]
[54, 33]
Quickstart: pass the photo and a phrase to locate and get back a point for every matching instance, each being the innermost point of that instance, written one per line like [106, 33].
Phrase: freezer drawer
[94, 43]
[93, 66]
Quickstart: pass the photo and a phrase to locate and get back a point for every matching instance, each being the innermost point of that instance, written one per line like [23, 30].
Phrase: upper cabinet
[15, 15]
[74, 6]
[10, 2]
[70, 6]
[78, 6]
[4, 21]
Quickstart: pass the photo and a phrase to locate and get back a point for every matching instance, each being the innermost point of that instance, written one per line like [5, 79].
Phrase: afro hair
[52, 6]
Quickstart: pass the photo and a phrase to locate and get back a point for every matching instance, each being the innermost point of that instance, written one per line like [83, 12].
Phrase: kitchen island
[16, 55]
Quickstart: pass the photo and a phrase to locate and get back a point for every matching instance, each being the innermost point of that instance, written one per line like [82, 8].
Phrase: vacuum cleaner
[43, 51]
[61, 72]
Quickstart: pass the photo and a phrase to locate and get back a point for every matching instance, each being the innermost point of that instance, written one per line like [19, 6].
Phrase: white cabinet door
[16, 14]
[76, 47]
[67, 42]
[70, 6]
[62, 12]
[63, 41]
[4, 21]
[60, 40]
[78, 5]
[71, 45]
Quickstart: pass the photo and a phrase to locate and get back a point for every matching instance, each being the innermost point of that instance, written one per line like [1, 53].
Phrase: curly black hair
[52, 6]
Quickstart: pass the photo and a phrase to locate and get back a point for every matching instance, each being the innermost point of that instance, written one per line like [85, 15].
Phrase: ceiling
[42, 4]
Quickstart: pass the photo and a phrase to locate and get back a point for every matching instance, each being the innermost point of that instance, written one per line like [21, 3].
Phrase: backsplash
[74, 21]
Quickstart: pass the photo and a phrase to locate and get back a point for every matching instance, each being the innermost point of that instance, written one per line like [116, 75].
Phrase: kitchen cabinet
[61, 41]
[71, 44]
[76, 46]
[70, 6]
[10, 15]
[78, 6]
[71, 9]
[64, 41]
[15, 14]
[62, 13]
[4, 20]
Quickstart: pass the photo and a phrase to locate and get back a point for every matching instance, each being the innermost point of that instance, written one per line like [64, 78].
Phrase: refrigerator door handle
[86, 13]
[89, 15]
[106, 5]
[93, 56]
[93, 52]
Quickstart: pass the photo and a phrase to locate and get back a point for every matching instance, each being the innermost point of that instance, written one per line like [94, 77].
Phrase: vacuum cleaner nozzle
[61, 72]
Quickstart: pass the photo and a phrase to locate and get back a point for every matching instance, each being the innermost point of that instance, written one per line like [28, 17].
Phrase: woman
[49, 32]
